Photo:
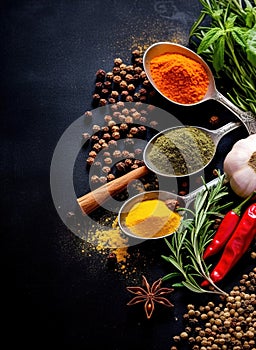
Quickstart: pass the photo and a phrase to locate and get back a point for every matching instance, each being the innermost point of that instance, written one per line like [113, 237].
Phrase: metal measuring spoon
[215, 136]
[182, 202]
[212, 93]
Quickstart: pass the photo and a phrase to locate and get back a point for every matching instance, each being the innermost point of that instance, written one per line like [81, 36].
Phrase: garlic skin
[240, 166]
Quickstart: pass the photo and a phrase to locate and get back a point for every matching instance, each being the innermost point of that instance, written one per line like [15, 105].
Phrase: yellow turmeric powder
[179, 77]
[152, 218]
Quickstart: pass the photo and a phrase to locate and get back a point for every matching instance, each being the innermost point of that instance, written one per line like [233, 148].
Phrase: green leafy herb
[187, 245]
[225, 35]
[251, 46]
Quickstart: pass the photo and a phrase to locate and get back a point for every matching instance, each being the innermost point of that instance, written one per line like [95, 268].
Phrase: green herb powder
[181, 151]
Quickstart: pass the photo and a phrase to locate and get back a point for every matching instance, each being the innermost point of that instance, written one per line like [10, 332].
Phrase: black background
[53, 293]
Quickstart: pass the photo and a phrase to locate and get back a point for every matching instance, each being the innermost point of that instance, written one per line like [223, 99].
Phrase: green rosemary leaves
[188, 243]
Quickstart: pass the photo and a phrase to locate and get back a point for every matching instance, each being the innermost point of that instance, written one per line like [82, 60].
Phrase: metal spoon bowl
[183, 202]
[214, 135]
[212, 93]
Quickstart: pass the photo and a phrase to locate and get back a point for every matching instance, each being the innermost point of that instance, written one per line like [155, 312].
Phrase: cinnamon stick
[92, 200]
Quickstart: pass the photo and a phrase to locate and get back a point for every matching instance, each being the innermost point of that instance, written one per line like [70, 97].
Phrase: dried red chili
[226, 228]
[236, 246]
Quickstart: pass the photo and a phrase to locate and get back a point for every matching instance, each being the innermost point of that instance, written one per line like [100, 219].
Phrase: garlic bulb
[240, 166]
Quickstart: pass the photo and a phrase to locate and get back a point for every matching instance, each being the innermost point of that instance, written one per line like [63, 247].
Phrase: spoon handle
[248, 118]
[219, 133]
[189, 198]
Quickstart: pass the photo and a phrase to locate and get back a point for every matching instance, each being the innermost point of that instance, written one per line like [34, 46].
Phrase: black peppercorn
[110, 177]
[106, 169]
[95, 179]
[107, 118]
[92, 154]
[114, 128]
[125, 153]
[108, 161]
[142, 129]
[90, 160]
[96, 147]
[103, 179]
[143, 75]
[98, 86]
[88, 115]
[123, 84]
[100, 74]
[117, 79]
[95, 98]
[130, 87]
[138, 61]
[129, 119]
[120, 166]
[104, 92]
[134, 130]
[129, 98]
[97, 165]
[95, 138]
[111, 100]
[112, 144]
[103, 102]
[114, 94]
[153, 123]
[86, 135]
[106, 136]
[109, 76]
[118, 61]
[136, 96]
[96, 128]
[129, 78]
[120, 104]
[117, 154]
[116, 135]
[146, 83]
[137, 70]
[143, 98]
[214, 119]
[111, 123]
[116, 70]
[107, 84]
[123, 66]
[124, 94]
[106, 154]
[122, 73]
[105, 128]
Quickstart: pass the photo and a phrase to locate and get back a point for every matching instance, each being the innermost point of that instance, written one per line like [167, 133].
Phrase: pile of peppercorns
[131, 101]
[229, 325]
[125, 82]
[114, 144]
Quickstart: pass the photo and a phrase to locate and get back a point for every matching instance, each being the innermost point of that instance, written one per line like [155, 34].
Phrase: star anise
[150, 295]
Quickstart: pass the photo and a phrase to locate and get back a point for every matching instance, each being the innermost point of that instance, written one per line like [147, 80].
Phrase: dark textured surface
[54, 294]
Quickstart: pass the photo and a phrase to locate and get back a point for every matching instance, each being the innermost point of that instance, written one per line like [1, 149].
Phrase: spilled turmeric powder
[152, 218]
[179, 77]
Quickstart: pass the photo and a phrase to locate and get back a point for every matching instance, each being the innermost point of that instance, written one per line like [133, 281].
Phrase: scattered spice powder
[152, 218]
[181, 151]
[179, 77]
[109, 239]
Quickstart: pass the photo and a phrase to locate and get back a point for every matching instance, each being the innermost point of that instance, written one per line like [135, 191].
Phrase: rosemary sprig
[188, 243]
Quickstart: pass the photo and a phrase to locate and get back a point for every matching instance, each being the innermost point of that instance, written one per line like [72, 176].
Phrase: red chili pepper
[225, 230]
[236, 246]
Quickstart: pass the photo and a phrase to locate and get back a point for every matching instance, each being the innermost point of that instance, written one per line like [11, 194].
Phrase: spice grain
[152, 218]
[181, 151]
[179, 77]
